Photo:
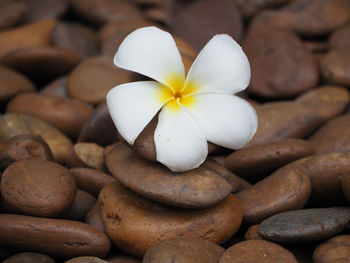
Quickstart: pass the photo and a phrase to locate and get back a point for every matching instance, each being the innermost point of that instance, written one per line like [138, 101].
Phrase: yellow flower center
[176, 93]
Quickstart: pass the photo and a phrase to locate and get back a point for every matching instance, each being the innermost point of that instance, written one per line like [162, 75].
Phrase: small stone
[11, 13]
[29, 257]
[149, 222]
[94, 218]
[334, 250]
[201, 187]
[253, 251]
[39, 188]
[335, 66]
[340, 38]
[57, 87]
[305, 225]
[253, 234]
[85, 154]
[86, 260]
[183, 249]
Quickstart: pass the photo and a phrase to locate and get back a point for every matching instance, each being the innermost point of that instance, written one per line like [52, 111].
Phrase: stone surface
[340, 38]
[39, 188]
[183, 249]
[56, 237]
[253, 234]
[251, 7]
[254, 161]
[207, 18]
[13, 83]
[334, 250]
[57, 87]
[277, 58]
[44, 9]
[86, 154]
[134, 223]
[82, 80]
[29, 257]
[35, 34]
[305, 225]
[297, 119]
[23, 147]
[253, 251]
[94, 217]
[11, 13]
[276, 193]
[196, 188]
[91, 180]
[12, 124]
[335, 66]
[345, 184]
[67, 115]
[86, 260]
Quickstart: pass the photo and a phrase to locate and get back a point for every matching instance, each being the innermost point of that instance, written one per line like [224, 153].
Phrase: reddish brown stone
[29, 257]
[86, 260]
[335, 250]
[253, 234]
[44, 9]
[85, 154]
[335, 66]
[11, 13]
[94, 217]
[340, 38]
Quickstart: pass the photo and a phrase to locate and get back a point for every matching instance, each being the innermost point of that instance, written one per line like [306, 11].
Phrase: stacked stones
[71, 191]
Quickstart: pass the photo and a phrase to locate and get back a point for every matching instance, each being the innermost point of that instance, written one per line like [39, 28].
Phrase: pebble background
[72, 191]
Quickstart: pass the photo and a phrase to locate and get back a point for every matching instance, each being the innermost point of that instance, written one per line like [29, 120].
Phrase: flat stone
[82, 80]
[207, 18]
[254, 161]
[325, 172]
[183, 249]
[134, 223]
[67, 115]
[39, 188]
[11, 13]
[340, 38]
[335, 66]
[12, 124]
[275, 59]
[29, 257]
[196, 188]
[253, 251]
[305, 225]
[13, 83]
[56, 237]
[276, 193]
[44, 9]
[334, 250]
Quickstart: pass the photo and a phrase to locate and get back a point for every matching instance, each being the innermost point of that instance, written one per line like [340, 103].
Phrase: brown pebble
[56, 237]
[39, 188]
[325, 172]
[24, 147]
[253, 234]
[207, 18]
[82, 80]
[43, 63]
[13, 83]
[305, 225]
[276, 193]
[80, 207]
[253, 251]
[94, 218]
[100, 128]
[201, 187]
[29, 257]
[254, 161]
[11, 13]
[76, 37]
[183, 249]
[34, 34]
[335, 66]
[85, 154]
[340, 38]
[334, 250]
[251, 7]
[57, 87]
[91, 180]
[12, 124]
[277, 58]
[135, 232]
[86, 260]
[67, 115]
[43, 9]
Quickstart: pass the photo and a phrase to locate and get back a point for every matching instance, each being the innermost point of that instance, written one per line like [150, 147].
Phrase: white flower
[193, 110]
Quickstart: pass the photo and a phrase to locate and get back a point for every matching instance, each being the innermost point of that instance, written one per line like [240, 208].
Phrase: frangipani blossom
[192, 110]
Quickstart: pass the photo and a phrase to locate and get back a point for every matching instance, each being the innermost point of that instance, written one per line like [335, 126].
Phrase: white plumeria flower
[193, 109]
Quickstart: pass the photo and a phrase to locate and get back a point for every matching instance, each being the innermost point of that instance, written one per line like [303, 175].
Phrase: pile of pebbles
[72, 191]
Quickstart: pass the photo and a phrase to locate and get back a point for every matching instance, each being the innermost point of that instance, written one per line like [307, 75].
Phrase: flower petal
[226, 120]
[220, 67]
[180, 143]
[133, 105]
[151, 52]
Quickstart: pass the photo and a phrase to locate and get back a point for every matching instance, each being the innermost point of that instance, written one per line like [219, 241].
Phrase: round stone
[196, 188]
[86, 154]
[335, 66]
[29, 257]
[253, 251]
[183, 249]
[11, 13]
[340, 38]
[39, 188]
[86, 260]
[335, 250]
[253, 234]
[134, 223]
[94, 218]
[305, 225]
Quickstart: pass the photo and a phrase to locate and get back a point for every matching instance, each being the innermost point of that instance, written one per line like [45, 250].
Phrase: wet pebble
[305, 225]
[39, 188]
[29, 257]
[183, 249]
[94, 218]
[334, 250]
[85, 154]
[196, 188]
[149, 222]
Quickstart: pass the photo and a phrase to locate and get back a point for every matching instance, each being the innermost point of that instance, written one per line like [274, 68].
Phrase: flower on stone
[192, 110]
